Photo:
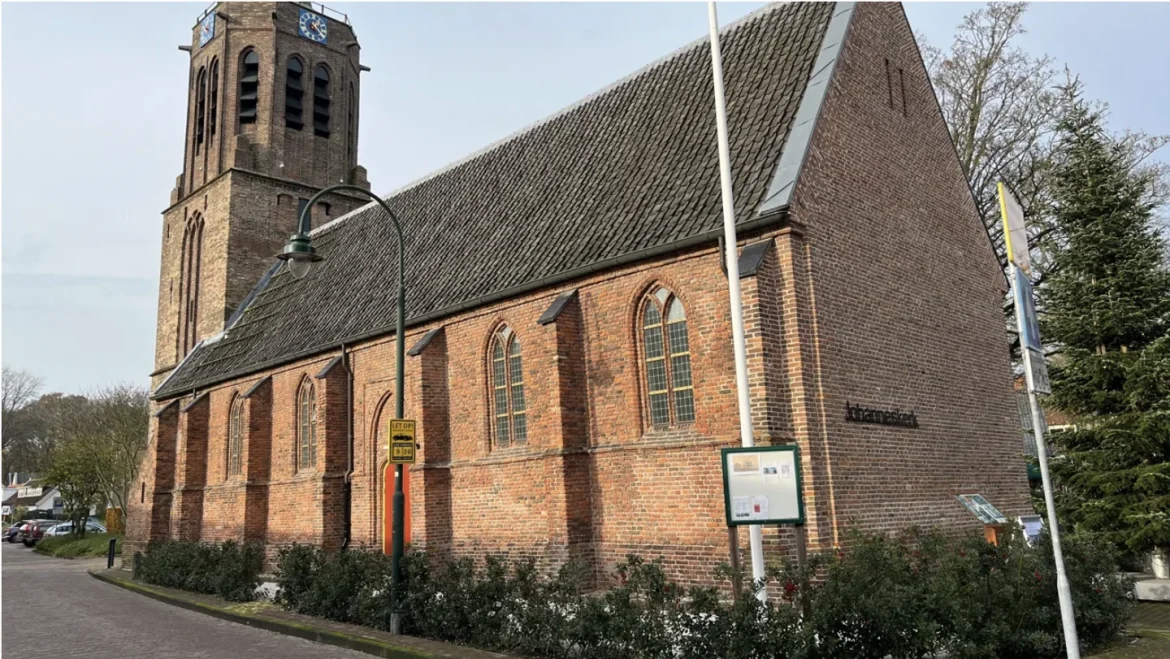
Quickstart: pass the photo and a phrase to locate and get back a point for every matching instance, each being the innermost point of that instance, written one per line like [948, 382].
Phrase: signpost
[402, 446]
[762, 485]
[1036, 375]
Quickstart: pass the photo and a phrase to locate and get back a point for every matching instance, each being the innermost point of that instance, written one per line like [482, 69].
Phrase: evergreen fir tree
[1107, 313]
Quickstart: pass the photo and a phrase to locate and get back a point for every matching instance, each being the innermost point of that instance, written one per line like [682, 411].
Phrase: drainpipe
[347, 486]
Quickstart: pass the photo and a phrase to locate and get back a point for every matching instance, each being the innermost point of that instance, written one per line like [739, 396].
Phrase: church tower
[272, 117]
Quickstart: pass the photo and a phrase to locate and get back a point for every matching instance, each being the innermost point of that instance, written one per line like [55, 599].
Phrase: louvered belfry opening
[294, 95]
[200, 107]
[321, 101]
[249, 87]
[213, 100]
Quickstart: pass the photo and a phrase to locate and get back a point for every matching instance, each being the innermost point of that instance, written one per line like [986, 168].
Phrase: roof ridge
[730, 27]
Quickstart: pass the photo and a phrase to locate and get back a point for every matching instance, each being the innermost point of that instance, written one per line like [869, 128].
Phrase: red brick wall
[905, 295]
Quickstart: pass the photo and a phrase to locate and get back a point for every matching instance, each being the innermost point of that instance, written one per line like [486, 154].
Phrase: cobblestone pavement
[51, 607]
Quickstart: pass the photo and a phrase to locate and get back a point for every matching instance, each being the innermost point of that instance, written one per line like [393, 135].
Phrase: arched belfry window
[307, 426]
[509, 413]
[666, 357]
[200, 107]
[249, 86]
[235, 452]
[190, 262]
[350, 128]
[321, 101]
[213, 100]
[294, 94]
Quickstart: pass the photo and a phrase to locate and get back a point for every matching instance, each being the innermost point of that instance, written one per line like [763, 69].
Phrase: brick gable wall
[906, 299]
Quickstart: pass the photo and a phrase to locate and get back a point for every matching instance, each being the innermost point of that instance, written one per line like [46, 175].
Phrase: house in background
[32, 495]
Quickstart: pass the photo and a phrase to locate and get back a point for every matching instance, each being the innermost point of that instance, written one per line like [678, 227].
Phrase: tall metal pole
[756, 535]
[397, 547]
[1063, 592]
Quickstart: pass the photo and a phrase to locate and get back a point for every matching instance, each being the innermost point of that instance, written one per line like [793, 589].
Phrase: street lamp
[300, 257]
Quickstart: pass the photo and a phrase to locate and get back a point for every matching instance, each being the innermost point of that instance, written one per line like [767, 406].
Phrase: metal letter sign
[402, 441]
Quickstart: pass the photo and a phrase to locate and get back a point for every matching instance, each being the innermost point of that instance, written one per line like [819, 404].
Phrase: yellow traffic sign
[402, 441]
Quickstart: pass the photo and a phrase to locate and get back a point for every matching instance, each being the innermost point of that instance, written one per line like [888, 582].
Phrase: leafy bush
[911, 596]
[351, 586]
[69, 546]
[924, 595]
[229, 570]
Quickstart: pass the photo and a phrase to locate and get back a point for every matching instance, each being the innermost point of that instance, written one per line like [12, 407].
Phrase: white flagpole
[1063, 591]
[1015, 237]
[732, 258]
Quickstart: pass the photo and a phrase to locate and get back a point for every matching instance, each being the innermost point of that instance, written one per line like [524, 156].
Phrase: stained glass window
[667, 360]
[509, 411]
[235, 438]
[307, 426]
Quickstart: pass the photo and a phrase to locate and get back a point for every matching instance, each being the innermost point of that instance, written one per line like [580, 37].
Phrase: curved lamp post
[300, 257]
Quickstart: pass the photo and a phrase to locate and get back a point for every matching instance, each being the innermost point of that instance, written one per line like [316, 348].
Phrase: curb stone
[350, 637]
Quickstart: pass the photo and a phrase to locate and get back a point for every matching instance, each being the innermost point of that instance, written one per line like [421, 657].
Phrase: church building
[568, 327]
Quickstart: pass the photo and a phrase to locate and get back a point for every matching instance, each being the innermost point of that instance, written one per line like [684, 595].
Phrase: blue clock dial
[313, 27]
[207, 29]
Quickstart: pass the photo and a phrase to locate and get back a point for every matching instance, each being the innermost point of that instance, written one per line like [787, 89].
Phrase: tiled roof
[627, 170]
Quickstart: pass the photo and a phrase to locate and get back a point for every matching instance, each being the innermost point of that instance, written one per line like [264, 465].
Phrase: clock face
[206, 30]
[313, 27]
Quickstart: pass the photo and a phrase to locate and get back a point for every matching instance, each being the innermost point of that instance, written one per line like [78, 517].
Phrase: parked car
[13, 532]
[67, 528]
[35, 530]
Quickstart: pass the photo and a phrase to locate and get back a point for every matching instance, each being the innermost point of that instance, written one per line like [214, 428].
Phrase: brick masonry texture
[880, 288]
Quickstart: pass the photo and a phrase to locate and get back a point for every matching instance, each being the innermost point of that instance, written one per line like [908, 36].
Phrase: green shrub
[911, 596]
[68, 546]
[351, 586]
[229, 570]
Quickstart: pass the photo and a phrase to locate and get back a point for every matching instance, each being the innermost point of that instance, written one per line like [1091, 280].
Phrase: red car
[35, 530]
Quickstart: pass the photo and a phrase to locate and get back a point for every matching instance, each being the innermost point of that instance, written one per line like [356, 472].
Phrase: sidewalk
[1149, 634]
[267, 616]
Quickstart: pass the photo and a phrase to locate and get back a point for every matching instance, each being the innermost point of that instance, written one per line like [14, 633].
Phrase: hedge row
[229, 570]
[70, 546]
[913, 596]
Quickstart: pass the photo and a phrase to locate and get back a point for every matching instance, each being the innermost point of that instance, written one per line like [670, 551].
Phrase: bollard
[110, 554]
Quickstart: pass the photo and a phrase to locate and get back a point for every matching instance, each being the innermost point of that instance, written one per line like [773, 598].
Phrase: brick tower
[272, 117]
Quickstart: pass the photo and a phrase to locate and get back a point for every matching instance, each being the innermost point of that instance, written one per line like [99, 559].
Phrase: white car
[67, 528]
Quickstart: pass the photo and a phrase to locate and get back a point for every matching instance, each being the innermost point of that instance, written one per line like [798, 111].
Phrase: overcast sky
[93, 110]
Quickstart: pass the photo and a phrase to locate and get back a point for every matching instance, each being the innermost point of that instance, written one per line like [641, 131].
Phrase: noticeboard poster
[762, 485]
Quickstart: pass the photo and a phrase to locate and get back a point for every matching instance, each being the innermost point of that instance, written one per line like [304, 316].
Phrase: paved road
[52, 608]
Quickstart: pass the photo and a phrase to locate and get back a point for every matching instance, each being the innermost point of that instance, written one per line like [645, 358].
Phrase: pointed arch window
[351, 110]
[212, 100]
[200, 106]
[191, 258]
[294, 94]
[235, 452]
[307, 426]
[249, 86]
[509, 412]
[321, 101]
[666, 358]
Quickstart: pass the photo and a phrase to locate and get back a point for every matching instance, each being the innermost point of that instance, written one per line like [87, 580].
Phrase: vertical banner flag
[1016, 240]
[1015, 235]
